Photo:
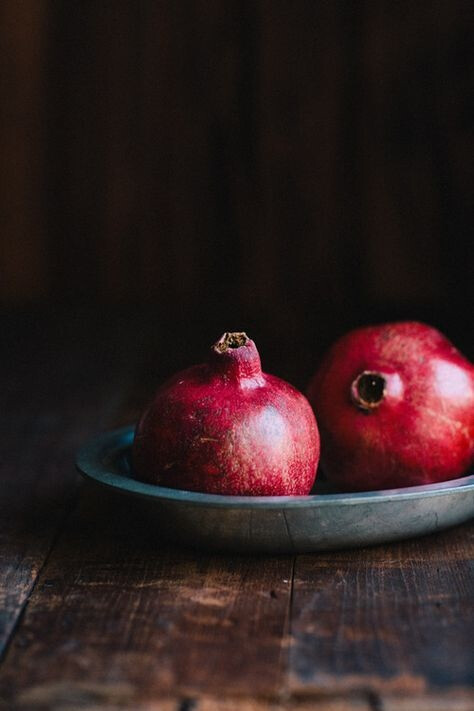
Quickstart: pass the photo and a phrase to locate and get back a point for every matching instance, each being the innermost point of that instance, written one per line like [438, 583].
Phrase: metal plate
[280, 524]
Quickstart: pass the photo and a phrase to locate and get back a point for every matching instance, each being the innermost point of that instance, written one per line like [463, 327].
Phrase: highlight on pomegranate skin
[395, 406]
[225, 427]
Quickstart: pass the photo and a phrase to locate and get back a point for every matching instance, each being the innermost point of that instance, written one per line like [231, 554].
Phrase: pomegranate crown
[234, 339]
[236, 356]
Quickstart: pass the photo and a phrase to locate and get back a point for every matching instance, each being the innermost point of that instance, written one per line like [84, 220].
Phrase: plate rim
[90, 463]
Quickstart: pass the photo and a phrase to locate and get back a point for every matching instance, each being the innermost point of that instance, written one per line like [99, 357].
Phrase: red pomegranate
[225, 427]
[395, 408]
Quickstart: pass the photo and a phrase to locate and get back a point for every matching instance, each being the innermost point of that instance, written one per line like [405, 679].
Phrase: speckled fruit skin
[225, 427]
[421, 432]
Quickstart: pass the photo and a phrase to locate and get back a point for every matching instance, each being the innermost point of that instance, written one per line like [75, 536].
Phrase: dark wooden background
[303, 165]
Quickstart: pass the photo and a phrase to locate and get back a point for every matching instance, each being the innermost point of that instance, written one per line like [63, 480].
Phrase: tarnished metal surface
[283, 524]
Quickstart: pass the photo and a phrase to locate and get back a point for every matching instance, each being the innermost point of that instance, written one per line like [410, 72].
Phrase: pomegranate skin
[225, 427]
[395, 406]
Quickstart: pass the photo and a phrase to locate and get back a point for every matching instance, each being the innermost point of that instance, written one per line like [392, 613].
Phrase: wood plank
[301, 84]
[55, 396]
[396, 618]
[439, 701]
[284, 704]
[77, 158]
[115, 605]
[119, 54]
[397, 166]
[197, 191]
[23, 241]
[90, 697]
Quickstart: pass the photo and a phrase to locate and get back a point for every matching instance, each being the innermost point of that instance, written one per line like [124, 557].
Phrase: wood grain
[395, 618]
[302, 77]
[115, 605]
[111, 698]
[24, 258]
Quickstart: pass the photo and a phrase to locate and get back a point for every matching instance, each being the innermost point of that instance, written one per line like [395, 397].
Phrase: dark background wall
[295, 166]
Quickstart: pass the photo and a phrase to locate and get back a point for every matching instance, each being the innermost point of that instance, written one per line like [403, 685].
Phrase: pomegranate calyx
[368, 390]
[228, 340]
[235, 357]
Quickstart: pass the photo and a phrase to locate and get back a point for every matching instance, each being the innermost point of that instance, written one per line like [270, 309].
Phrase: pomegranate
[395, 408]
[225, 427]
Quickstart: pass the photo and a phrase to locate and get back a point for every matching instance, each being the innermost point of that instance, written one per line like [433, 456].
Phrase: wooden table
[98, 613]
